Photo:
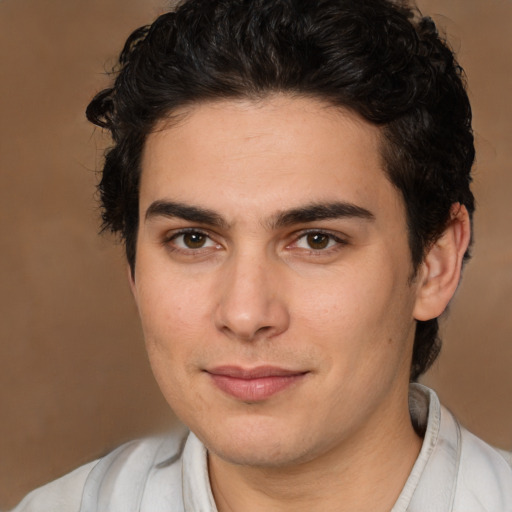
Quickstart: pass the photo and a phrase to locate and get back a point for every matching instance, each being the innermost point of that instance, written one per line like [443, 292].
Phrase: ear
[439, 274]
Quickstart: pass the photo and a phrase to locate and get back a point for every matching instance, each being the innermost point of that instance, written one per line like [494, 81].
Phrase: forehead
[256, 156]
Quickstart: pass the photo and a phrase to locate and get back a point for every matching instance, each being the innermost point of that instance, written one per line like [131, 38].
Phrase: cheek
[173, 317]
[343, 302]
[362, 319]
[173, 322]
[171, 308]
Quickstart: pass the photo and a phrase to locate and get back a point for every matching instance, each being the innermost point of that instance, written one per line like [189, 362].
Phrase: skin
[254, 283]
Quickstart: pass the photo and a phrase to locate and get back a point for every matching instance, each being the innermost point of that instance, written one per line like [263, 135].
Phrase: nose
[251, 305]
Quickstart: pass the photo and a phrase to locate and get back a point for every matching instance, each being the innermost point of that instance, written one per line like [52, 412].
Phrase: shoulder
[484, 476]
[121, 476]
[62, 494]
[474, 448]
[506, 455]
[455, 471]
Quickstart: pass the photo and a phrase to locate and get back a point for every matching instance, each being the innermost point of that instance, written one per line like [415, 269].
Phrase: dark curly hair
[379, 58]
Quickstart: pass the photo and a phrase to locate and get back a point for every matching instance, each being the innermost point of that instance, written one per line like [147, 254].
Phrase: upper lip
[258, 372]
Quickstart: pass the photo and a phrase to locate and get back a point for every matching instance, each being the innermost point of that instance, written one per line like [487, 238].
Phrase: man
[291, 181]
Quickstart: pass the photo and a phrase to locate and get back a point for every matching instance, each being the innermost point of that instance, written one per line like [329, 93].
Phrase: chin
[259, 443]
[270, 455]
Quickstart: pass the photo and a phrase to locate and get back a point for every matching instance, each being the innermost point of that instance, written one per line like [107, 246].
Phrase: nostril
[264, 330]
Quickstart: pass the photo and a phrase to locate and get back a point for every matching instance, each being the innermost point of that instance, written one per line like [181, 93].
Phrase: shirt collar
[197, 493]
[434, 474]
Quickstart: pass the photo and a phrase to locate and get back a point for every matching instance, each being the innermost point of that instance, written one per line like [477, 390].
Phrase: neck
[365, 473]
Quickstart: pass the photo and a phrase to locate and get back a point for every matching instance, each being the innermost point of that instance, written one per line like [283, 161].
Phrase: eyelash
[338, 242]
[168, 241]
[187, 231]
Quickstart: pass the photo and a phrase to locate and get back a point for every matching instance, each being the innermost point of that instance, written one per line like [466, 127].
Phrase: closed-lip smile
[254, 384]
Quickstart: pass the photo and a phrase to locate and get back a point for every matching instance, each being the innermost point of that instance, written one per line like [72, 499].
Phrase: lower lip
[255, 390]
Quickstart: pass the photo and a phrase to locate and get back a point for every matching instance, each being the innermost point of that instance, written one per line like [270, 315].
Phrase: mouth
[254, 384]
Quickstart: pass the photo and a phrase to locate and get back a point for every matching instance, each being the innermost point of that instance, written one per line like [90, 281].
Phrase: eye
[191, 240]
[317, 241]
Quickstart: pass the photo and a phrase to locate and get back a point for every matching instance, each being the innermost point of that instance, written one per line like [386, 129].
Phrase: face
[273, 279]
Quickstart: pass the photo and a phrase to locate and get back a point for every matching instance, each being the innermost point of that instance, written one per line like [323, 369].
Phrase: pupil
[318, 241]
[194, 240]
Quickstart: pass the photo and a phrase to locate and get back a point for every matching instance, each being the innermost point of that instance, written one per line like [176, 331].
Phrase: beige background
[74, 380]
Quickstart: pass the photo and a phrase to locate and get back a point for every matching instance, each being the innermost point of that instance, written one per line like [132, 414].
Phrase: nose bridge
[250, 304]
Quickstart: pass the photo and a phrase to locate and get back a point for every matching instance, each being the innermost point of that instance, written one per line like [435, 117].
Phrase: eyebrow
[186, 212]
[301, 215]
[320, 211]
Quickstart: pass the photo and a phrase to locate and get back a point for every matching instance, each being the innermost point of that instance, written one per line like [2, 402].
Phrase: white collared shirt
[454, 472]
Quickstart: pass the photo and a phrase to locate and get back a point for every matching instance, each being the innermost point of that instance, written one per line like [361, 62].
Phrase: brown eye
[194, 240]
[318, 240]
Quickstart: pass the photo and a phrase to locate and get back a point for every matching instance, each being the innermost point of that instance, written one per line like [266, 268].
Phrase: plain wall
[74, 379]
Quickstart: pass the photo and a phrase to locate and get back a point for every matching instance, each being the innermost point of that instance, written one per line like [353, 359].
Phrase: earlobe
[440, 271]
